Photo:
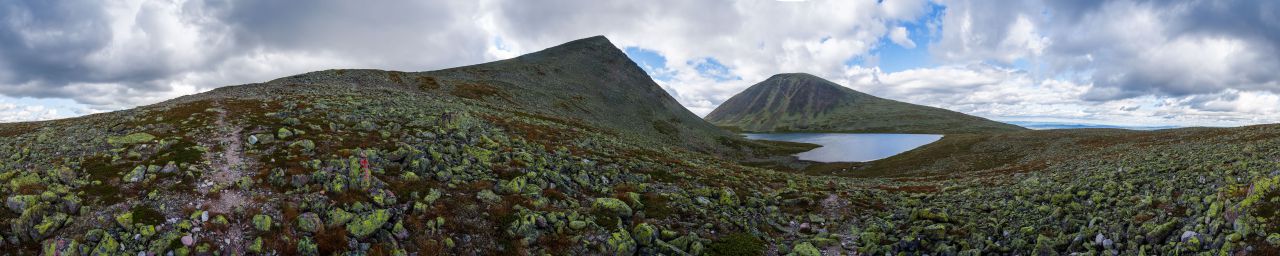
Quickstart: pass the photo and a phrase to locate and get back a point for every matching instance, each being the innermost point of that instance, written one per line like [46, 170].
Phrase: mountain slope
[806, 103]
[589, 80]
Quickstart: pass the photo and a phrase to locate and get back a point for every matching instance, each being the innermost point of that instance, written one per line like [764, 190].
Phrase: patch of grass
[181, 152]
[100, 169]
[396, 77]
[665, 128]
[144, 214]
[15, 129]
[656, 206]
[331, 240]
[427, 83]
[478, 91]
[737, 244]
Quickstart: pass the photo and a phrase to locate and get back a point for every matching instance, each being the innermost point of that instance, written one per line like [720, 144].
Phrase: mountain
[799, 102]
[572, 151]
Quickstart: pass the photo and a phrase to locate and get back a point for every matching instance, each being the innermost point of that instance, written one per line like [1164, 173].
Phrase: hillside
[798, 102]
[479, 160]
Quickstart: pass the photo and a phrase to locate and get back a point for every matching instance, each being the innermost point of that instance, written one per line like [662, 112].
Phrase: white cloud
[900, 36]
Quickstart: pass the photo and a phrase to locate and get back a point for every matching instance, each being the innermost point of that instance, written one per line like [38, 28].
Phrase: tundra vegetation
[454, 162]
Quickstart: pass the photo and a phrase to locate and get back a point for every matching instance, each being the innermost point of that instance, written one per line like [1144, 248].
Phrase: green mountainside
[798, 102]
[574, 151]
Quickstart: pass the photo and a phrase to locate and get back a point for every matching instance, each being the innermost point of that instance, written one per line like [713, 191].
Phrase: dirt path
[227, 165]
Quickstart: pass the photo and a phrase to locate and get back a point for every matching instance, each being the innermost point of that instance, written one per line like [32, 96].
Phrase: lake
[851, 147]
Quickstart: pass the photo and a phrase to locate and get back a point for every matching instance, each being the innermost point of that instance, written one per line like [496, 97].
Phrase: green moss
[737, 244]
[256, 246]
[144, 214]
[805, 249]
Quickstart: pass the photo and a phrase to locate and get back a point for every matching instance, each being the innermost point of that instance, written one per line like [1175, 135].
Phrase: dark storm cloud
[47, 41]
[127, 53]
[405, 34]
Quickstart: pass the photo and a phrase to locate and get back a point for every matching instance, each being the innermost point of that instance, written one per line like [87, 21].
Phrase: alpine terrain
[797, 102]
[574, 150]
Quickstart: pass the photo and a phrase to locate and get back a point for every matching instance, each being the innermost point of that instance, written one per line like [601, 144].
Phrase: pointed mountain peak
[596, 46]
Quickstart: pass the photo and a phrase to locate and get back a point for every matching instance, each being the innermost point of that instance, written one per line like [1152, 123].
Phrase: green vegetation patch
[133, 138]
[478, 91]
[737, 244]
[146, 215]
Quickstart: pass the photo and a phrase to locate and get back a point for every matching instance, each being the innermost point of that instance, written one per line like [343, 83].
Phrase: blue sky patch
[891, 57]
[652, 62]
[712, 68]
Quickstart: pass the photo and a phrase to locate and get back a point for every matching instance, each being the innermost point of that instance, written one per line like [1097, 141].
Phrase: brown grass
[477, 91]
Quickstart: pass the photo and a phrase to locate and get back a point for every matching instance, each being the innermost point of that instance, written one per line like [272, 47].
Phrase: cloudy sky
[1122, 62]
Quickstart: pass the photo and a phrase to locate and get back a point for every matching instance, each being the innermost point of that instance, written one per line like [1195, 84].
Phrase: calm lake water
[851, 147]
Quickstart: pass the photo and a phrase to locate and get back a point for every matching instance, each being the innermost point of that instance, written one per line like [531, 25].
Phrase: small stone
[1188, 235]
[283, 133]
[204, 216]
[169, 168]
[188, 241]
[577, 224]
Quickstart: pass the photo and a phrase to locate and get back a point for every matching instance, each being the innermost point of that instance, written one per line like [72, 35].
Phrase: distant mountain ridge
[798, 102]
[587, 81]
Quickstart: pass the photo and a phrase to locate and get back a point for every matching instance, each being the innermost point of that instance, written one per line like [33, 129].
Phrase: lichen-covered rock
[262, 222]
[20, 203]
[577, 224]
[308, 247]
[620, 243]
[306, 145]
[169, 167]
[612, 205]
[644, 234]
[133, 138]
[108, 246]
[136, 175]
[283, 133]
[60, 247]
[125, 220]
[338, 216]
[364, 225]
[932, 215]
[1160, 232]
[309, 222]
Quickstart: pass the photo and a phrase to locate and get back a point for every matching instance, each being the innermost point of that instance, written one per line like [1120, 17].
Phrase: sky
[1117, 62]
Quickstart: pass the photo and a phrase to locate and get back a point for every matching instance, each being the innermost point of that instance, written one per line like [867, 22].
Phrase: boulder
[612, 205]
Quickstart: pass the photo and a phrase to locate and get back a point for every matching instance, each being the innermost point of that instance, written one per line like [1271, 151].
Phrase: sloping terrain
[798, 102]
[370, 162]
